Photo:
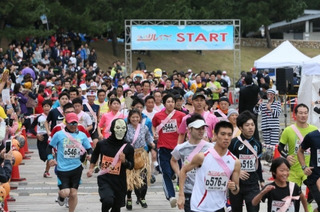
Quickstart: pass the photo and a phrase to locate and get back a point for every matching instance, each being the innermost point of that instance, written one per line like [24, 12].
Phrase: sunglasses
[73, 124]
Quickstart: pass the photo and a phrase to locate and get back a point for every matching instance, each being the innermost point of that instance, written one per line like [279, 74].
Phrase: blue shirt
[62, 143]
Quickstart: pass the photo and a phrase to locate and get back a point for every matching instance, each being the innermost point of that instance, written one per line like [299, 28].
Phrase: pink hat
[72, 117]
[43, 83]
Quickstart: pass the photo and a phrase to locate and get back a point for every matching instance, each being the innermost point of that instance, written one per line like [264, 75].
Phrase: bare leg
[73, 199]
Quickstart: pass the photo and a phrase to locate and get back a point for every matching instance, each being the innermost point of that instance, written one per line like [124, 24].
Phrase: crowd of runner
[132, 127]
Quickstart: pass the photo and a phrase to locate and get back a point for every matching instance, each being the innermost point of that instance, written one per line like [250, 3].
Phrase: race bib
[71, 152]
[276, 205]
[107, 161]
[216, 181]
[248, 163]
[170, 126]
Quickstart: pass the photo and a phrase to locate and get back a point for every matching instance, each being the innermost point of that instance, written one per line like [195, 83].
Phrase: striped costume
[270, 122]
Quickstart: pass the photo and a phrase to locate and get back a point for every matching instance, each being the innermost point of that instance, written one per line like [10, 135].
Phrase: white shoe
[61, 203]
[173, 202]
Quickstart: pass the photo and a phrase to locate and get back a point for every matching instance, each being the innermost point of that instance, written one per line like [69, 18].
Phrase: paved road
[38, 194]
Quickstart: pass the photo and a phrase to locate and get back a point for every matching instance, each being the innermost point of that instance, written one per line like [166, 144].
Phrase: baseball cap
[83, 86]
[72, 117]
[224, 72]
[178, 97]
[231, 112]
[73, 53]
[93, 84]
[197, 124]
[49, 84]
[189, 70]
[198, 94]
[224, 98]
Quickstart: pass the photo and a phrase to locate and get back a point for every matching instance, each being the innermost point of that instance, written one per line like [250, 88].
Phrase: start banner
[171, 37]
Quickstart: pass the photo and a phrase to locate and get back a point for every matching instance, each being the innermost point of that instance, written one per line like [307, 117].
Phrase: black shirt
[55, 117]
[279, 193]
[237, 148]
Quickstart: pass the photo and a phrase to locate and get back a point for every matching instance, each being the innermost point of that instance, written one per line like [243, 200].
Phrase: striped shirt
[270, 118]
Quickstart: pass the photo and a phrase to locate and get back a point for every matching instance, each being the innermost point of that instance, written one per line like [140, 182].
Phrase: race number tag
[71, 152]
[216, 181]
[296, 148]
[171, 126]
[276, 205]
[107, 161]
[248, 163]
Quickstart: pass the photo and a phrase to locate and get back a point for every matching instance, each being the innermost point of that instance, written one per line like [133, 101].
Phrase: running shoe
[173, 202]
[60, 201]
[129, 204]
[66, 202]
[143, 203]
[46, 175]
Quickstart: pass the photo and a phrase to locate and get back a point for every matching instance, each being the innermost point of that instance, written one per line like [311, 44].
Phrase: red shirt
[39, 109]
[168, 135]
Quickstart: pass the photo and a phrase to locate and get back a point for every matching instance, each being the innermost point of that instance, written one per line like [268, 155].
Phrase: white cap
[189, 70]
[197, 124]
[224, 72]
[83, 86]
[93, 84]
[49, 84]
[73, 53]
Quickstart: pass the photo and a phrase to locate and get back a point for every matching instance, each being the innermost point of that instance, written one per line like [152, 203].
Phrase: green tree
[253, 13]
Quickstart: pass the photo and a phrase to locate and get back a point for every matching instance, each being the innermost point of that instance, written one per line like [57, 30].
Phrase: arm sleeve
[95, 154]
[282, 151]
[33, 125]
[49, 150]
[259, 171]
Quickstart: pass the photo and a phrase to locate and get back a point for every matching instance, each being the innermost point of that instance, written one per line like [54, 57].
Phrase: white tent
[285, 55]
[309, 88]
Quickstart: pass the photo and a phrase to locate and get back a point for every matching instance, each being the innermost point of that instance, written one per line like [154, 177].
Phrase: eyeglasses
[73, 124]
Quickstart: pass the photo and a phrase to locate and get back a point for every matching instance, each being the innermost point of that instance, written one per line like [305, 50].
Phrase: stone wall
[256, 42]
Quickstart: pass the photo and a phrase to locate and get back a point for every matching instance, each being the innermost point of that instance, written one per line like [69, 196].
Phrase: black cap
[198, 94]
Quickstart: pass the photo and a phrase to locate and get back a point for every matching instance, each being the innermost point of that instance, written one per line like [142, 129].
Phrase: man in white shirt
[226, 78]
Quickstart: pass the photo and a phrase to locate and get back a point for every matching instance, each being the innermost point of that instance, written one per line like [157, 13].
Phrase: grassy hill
[183, 60]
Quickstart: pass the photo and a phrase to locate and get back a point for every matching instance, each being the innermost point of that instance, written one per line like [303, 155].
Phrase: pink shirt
[105, 122]
[211, 121]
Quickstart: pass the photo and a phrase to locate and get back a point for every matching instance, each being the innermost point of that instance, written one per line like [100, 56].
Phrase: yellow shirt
[2, 113]
[104, 108]
[195, 86]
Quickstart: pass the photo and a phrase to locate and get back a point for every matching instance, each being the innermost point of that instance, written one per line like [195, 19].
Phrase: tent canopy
[309, 88]
[285, 55]
[311, 67]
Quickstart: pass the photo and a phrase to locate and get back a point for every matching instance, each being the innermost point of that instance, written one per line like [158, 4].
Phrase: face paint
[120, 129]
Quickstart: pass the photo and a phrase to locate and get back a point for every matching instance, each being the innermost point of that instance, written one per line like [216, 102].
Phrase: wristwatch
[303, 167]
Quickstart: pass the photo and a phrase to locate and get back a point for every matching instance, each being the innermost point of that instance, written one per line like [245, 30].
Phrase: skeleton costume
[112, 185]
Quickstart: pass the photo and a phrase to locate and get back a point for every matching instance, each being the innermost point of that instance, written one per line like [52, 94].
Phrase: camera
[9, 122]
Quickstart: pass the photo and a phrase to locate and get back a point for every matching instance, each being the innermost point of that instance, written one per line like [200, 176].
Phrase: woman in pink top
[107, 118]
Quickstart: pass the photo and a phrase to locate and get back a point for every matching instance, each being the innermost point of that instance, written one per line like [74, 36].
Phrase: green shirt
[290, 138]
[214, 87]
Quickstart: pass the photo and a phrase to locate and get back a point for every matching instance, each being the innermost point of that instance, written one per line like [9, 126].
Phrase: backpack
[31, 103]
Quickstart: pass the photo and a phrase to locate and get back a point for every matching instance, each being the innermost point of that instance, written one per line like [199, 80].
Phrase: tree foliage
[19, 19]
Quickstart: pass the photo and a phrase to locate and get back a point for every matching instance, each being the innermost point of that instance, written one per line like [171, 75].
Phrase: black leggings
[247, 193]
[142, 191]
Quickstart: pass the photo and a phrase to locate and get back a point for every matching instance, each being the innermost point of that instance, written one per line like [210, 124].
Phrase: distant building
[306, 27]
